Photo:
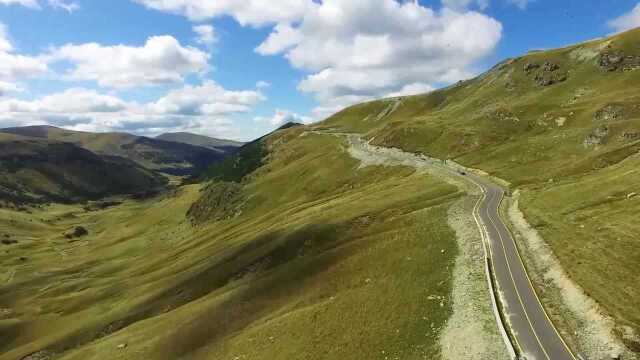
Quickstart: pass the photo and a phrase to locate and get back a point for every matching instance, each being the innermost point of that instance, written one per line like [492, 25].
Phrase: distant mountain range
[170, 157]
[220, 145]
[36, 170]
[46, 163]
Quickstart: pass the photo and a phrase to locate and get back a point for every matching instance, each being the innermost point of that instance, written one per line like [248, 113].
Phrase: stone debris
[611, 61]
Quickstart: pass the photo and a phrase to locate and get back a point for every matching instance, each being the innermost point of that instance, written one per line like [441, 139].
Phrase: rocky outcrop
[610, 112]
[618, 61]
[546, 74]
[597, 137]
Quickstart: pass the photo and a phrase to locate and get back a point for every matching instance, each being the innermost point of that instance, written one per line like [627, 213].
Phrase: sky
[239, 69]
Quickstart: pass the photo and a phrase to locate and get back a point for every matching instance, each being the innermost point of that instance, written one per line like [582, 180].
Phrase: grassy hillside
[173, 158]
[220, 145]
[34, 170]
[562, 125]
[318, 260]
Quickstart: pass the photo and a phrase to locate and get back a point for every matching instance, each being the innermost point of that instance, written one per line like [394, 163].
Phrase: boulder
[76, 232]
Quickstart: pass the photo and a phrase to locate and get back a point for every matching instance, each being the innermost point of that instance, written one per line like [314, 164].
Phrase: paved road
[534, 332]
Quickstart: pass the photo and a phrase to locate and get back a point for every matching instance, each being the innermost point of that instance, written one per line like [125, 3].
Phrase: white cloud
[522, 4]
[161, 60]
[281, 117]
[14, 66]
[464, 4]
[412, 89]
[360, 49]
[204, 109]
[627, 21]
[28, 3]
[8, 87]
[481, 4]
[263, 84]
[64, 5]
[206, 34]
[207, 99]
[246, 12]
[282, 38]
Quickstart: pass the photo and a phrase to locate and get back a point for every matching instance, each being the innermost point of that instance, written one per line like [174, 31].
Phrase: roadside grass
[324, 261]
[574, 165]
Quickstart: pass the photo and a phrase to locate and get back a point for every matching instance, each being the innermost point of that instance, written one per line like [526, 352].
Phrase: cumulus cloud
[28, 3]
[8, 87]
[263, 84]
[481, 4]
[14, 66]
[64, 5]
[281, 117]
[68, 6]
[161, 60]
[206, 34]
[207, 99]
[246, 12]
[204, 109]
[627, 21]
[464, 4]
[359, 49]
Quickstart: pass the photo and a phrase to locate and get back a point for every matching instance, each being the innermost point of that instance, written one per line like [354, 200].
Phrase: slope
[296, 260]
[220, 145]
[563, 126]
[165, 156]
[34, 170]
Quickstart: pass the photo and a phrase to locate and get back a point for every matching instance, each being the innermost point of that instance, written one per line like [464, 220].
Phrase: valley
[363, 236]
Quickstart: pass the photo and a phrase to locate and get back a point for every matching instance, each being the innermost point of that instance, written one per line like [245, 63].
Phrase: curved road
[534, 332]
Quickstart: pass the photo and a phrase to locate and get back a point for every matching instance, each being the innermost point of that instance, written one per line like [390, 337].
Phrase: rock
[122, 346]
[77, 232]
[632, 195]
[617, 61]
[610, 112]
[550, 67]
[40, 355]
[528, 67]
[597, 137]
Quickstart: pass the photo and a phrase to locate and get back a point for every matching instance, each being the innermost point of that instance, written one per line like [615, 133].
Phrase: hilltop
[169, 157]
[36, 170]
[302, 245]
[562, 127]
[220, 145]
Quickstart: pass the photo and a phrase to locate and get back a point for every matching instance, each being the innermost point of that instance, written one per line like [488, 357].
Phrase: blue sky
[239, 69]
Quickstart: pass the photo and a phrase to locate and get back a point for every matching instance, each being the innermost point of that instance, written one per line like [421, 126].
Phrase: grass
[324, 261]
[534, 137]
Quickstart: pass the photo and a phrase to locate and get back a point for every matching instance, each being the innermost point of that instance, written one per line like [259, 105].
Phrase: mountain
[332, 241]
[35, 170]
[164, 156]
[563, 128]
[245, 160]
[223, 146]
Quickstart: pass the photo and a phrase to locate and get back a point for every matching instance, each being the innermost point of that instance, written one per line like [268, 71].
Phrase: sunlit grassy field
[322, 260]
[571, 147]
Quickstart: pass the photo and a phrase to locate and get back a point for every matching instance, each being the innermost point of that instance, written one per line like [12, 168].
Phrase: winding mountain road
[534, 332]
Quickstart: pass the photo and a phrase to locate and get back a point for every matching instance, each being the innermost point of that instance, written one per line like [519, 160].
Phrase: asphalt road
[534, 332]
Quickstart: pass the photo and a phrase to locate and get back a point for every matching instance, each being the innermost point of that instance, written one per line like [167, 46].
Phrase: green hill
[563, 126]
[294, 249]
[173, 158]
[34, 170]
[220, 145]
